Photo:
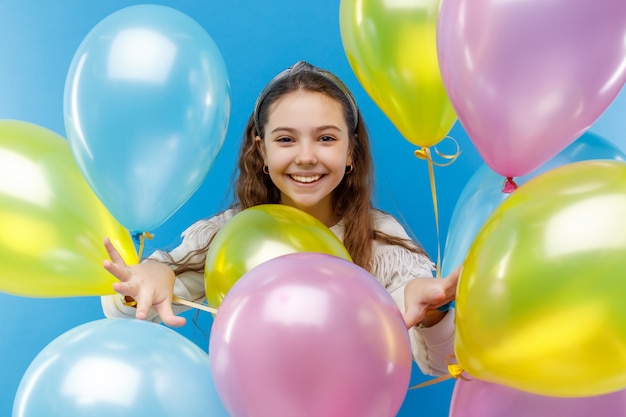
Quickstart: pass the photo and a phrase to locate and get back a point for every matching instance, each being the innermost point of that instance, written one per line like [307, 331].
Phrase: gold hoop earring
[349, 169]
[266, 170]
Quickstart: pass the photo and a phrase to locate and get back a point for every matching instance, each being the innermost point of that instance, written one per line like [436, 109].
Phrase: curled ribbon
[426, 154]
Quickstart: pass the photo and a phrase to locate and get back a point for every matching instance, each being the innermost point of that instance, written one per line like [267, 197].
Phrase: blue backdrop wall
[256, 39]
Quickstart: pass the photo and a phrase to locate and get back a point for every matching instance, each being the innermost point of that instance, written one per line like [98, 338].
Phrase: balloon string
[454, 371]
[425, 153]
[188, 303]
[433, 189]
[141, 237]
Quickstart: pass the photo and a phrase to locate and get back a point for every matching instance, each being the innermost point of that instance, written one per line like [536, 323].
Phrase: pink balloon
[476, 398]
[309, 335]
[527, 78]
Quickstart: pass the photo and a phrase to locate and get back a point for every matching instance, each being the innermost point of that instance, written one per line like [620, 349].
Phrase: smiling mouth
[305, 180]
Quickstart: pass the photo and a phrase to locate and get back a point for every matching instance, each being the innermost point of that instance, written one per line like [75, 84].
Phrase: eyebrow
[317, 129]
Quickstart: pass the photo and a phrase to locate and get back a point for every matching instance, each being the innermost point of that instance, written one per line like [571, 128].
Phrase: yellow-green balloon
[258, 234]
[53, 225]
[392, 49]
[541, 299]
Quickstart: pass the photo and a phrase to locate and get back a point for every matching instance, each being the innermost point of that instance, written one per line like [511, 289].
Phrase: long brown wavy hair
[351, 200]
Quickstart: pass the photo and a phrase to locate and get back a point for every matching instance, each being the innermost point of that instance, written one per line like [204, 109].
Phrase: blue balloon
[119, 367]
[146, 110]
[612, 123]
[483, 194]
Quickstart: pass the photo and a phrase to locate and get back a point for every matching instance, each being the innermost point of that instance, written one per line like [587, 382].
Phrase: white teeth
[306, 179]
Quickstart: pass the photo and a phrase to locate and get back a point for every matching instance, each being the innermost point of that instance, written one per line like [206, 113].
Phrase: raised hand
[422, 297]
[150, 284]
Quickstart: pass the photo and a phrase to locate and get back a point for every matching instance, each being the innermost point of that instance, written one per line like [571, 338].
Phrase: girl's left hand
[422, 297]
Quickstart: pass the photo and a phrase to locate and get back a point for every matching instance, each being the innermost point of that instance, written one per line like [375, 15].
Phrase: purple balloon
[309, 335]
[476, 398]
[526, 78]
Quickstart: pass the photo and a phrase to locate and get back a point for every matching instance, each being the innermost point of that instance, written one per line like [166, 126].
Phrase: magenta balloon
[476, 398]
[527, 78]
[309, 335]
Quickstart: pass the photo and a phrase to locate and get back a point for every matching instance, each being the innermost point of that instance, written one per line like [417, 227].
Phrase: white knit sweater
[393, 266]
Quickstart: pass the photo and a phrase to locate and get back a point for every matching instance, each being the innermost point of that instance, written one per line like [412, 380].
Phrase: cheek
[277, 160]
[340, 161]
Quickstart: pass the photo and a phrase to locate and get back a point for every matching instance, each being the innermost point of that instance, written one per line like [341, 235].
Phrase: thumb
[433, 296]
[413, 315]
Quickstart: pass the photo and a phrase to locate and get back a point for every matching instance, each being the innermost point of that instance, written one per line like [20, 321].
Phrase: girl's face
[306, 149]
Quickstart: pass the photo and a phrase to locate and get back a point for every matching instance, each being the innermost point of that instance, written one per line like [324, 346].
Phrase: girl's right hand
[150, 283]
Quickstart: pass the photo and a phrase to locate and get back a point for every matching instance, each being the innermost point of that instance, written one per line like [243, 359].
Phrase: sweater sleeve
[431, 346]
[188, 285]
[394, 266]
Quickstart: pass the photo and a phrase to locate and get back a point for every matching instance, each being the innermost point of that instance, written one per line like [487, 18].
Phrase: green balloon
[258, 234]
[53, 225]
[540, 302]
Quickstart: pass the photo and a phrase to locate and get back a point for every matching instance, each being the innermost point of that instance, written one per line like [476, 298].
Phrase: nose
[306, 154]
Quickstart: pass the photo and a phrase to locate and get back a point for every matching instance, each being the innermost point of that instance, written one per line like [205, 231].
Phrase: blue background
[257, 39]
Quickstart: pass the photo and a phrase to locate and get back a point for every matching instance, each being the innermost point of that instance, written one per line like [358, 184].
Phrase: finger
[143, 307]
[414, 315]
[120, 272]
[113, 253]
[454, 275]
[451, 282]
[125, 288]
[167, 315]
[434, 295]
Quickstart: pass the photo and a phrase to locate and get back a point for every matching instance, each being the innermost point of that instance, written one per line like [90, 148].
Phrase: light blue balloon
[611, 125]
[119, 367]
[483, 194]
[146, 109]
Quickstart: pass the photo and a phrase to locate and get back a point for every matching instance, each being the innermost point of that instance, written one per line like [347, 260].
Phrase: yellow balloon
[540, 302]
[258, 234]
[391, 47]
[53, 225]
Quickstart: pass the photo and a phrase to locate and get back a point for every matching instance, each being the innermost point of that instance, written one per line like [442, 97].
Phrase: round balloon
[53, 225]
[146, 107]
[391, 48]
[258, 234]
[527, 78]
[309, 335]
[540, 301]
[119, 367]
[476, 398]
[483, 193]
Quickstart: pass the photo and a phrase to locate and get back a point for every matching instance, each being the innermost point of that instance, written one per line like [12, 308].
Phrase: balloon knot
[138, 237]
[509, 185]
[423, 153]
[455, 370]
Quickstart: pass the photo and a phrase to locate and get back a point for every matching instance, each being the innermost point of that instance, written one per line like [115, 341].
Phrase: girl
[306, 146]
